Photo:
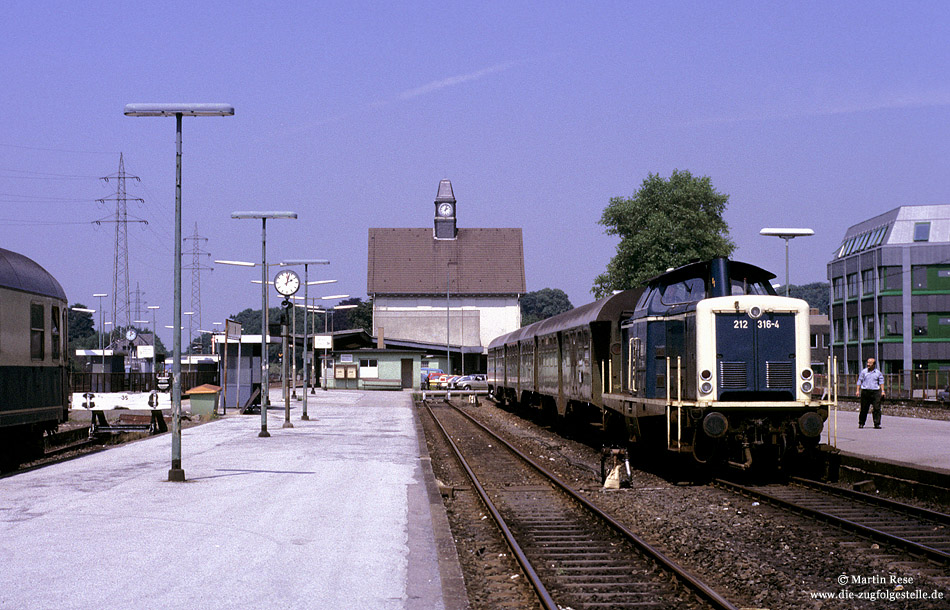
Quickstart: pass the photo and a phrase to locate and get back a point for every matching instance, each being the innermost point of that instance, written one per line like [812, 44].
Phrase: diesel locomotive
[704, 362]
[33, 376]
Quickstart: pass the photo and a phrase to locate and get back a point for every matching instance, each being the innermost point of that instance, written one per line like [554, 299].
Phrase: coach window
[37, 332]
[54, 329]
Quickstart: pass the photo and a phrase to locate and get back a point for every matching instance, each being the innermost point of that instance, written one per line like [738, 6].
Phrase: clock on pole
[287, 282]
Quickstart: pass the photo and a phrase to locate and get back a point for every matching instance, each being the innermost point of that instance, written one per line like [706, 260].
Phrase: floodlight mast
[786, 234]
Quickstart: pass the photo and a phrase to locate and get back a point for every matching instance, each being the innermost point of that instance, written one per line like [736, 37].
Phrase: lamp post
[154, 308]
[102, 353]
[786, 234]
[265, 321]
[176, 473]
[306, 262]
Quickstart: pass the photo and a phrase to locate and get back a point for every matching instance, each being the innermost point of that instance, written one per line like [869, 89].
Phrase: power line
[196, 267]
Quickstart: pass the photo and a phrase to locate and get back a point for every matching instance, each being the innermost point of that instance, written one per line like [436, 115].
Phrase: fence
[134, 382]
[923, 385]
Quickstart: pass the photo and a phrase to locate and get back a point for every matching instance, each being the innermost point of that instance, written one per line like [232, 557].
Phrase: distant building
[890, 292]
[820, 341]
[415, 275]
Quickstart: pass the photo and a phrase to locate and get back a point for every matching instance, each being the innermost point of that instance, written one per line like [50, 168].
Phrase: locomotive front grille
[733, 375]
[779, 374]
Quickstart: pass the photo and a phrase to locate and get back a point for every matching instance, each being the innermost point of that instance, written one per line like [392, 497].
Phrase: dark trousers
[868, 398]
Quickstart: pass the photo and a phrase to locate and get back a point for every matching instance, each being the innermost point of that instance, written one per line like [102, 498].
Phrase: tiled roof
[412, 261]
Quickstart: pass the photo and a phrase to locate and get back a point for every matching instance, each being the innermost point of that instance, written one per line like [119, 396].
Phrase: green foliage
[667, 223]
[542, 304]
[362, 316]
[815, 293]
[80, 325]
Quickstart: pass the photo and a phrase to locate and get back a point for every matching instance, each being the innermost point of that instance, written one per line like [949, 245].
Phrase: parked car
[427, 375]
[944, 394]
[470, 382]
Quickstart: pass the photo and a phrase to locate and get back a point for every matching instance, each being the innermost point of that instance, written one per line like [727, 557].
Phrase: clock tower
[445, 212]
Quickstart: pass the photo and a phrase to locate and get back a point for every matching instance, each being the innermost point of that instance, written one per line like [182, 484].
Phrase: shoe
[860, 425]
[877, 427]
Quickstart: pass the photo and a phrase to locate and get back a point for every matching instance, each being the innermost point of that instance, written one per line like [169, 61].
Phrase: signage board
[145, 352]
[323, 342]
[232, 330]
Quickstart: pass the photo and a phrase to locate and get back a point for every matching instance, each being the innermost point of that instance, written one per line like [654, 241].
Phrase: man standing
[870, 389]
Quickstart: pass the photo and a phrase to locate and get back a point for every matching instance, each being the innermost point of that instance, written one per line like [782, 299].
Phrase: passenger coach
[33, 379]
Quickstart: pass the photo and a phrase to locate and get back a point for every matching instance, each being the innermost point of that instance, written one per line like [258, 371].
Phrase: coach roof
[21, 273]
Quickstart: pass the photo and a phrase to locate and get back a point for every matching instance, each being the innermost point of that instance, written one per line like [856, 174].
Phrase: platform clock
[287, 282]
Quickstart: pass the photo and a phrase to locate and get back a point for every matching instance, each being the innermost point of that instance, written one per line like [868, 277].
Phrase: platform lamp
[786, 234]
[265, 318]
[177, 110]
[306, 262]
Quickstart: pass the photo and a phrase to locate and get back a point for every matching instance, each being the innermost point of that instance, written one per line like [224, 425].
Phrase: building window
[37, 332]
[369, 368]
[922, 231]
[852, 329]
[54, 329]
[814, 341]
[918, 277]
[892, 325]
[839, 330]
[889, 278]
[852, 285]
[825, 340]
[838, 285]
[867, 281]
[868, 324]
[920, 324]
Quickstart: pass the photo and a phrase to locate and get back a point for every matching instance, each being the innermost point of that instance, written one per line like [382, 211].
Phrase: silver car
[471, 382]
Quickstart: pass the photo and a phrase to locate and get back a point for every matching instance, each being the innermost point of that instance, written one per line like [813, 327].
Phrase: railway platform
[922, 444]
[341, 511]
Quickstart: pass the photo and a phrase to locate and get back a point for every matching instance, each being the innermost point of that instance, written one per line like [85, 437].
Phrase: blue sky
[806, 114]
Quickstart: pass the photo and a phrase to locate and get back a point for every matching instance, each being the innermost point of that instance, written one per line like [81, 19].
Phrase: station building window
[37, 332]
[369, 368]
[922, 231]
[918, 277]
[920, 324]
[839, 330]
[868, 324]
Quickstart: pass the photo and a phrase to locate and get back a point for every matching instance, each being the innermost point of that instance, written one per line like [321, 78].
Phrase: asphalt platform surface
[337, 512]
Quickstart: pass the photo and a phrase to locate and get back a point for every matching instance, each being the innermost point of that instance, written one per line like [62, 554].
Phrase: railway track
[573, 554]
[922, 532]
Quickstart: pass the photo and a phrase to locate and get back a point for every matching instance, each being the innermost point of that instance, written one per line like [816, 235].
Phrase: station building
[446, 285]
[890, 292]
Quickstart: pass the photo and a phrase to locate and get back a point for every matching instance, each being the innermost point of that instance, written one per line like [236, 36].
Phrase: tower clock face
[445, 209]
[287, 282]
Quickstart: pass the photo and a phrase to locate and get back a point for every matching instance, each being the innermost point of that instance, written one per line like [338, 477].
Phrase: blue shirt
[871, 380]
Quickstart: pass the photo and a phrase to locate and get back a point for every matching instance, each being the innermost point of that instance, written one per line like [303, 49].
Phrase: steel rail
[543, 595]
[916, 511]
[699, 587]
[855, 526]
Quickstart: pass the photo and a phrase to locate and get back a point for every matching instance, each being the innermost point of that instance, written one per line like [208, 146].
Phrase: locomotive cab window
[37, 332]
[687, 291]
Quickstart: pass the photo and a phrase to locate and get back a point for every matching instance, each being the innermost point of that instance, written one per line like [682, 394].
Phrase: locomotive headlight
[806, 387]
[806, 373]
[755, 311]
[705, 387]
[705, 375]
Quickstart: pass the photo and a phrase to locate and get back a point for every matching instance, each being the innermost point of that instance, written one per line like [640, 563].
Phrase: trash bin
[204, 399]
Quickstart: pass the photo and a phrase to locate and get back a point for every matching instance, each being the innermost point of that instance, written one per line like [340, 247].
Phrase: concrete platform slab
[922, 443]
[332, 513]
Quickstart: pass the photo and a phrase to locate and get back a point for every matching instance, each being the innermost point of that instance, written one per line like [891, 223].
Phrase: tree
[667, 223]
[815, 293]
[80, 325]
[362, 316]
[542, 304]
